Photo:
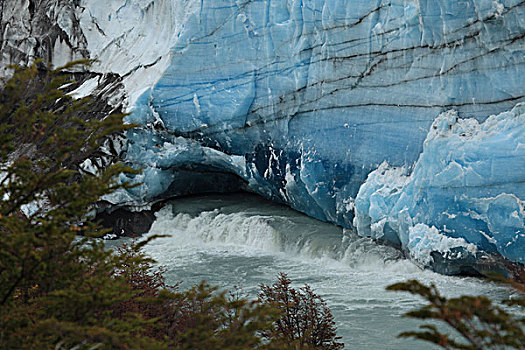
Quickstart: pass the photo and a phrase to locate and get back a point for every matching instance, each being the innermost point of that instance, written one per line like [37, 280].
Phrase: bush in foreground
[305, 321]
[477, 323]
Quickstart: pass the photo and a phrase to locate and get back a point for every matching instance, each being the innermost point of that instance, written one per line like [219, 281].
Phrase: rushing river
[242, 240]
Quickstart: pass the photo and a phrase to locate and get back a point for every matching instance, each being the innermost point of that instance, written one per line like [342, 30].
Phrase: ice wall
[313, 96]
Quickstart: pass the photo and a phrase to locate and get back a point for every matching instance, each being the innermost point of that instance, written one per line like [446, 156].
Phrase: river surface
[241, 240]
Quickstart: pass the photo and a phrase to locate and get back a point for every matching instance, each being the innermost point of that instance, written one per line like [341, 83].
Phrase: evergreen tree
[55, 288]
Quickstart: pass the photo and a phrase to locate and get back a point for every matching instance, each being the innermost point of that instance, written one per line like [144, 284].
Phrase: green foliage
[55, 288]
[60, 288]
[479, 323]
[305, 321]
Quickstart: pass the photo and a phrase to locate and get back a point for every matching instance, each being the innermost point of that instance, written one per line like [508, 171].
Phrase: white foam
[212, 228]
[246, 232]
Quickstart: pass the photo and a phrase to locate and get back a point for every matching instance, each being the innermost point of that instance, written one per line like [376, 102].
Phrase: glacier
[403, 119]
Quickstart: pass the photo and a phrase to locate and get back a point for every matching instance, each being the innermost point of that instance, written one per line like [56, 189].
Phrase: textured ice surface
[131, 37]
[467, 183]
[165, 160]
[305, 100]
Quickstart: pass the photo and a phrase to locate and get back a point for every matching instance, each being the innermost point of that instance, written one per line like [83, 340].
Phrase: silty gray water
[241, 240]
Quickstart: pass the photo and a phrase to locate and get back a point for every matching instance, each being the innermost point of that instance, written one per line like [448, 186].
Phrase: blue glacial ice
[400, 118]
[464, 190]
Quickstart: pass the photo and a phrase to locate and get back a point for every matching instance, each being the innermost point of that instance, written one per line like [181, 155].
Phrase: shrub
[197, 318]
[56, 290]
[305, 321]
[477, 323]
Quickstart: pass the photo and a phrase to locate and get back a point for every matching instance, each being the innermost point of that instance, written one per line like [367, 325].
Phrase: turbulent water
[241, 240]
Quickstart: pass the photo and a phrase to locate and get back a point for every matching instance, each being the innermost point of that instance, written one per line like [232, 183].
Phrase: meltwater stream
[242, 240]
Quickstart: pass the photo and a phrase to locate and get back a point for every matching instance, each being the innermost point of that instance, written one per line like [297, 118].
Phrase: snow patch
[85, 89]
[133, 38]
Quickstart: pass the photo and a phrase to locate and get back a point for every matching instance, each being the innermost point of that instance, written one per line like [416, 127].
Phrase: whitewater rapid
[240, 241]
